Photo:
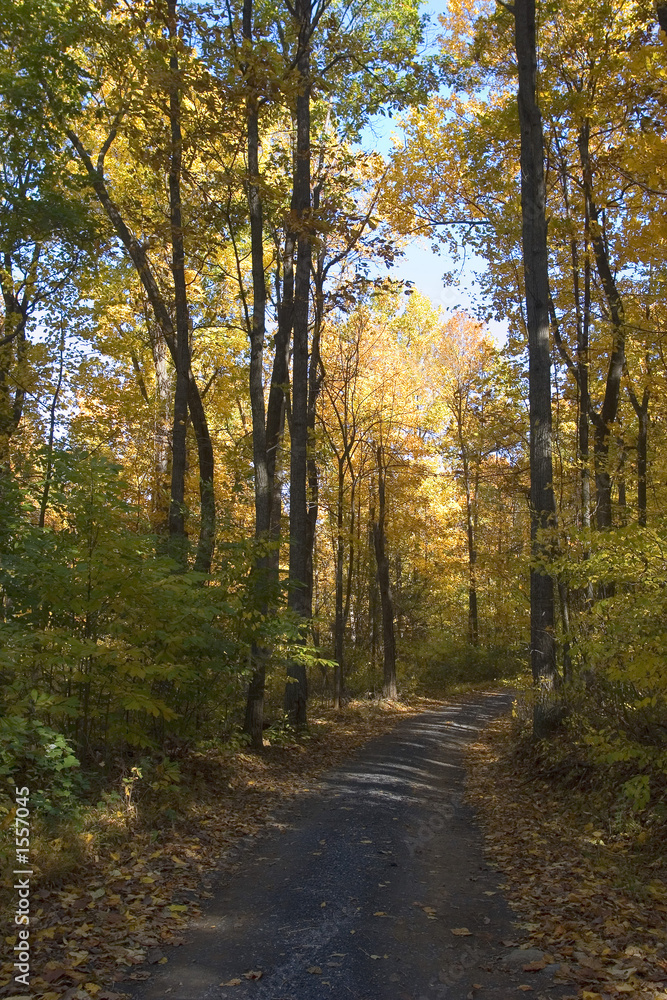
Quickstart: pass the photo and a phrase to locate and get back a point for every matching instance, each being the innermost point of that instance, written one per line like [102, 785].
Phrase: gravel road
[372, 887]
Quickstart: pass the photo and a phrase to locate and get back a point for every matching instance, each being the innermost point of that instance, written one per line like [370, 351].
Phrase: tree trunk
[389, 687]
[296, 689]
[603, 422]
[339, 624]
[641, 410]
[48, 472]
[536, 276]
[254, 716]
[13, 352]
[642, 464]
[473, 621]
[564, 595]
[583, 377]
[137, 254]
[315, 378]
[162, 420]
[182, 359]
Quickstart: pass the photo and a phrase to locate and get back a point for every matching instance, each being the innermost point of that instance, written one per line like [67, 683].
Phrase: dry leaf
[253, 974]
[232, 982]
[314, 970]
[461, 931]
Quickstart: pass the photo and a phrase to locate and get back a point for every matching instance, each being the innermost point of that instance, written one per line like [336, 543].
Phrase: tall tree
[296, 690]
[536, 278]
[120, 107]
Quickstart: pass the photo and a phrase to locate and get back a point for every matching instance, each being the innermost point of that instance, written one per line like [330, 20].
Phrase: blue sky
[419, 264]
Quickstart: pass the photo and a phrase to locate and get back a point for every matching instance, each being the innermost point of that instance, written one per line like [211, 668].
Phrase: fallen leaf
[232, 982]
[253, 974]
[380, 913]
[314, 970]
[461, 931]
[535, 966]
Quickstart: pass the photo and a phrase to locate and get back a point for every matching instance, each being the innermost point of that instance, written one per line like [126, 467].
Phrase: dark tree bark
[162, 427]
[315, 379]
[580, 368]
[473, 618]
[339, 622]
[536, 276]
[604, 420]
[137, 254]
[177, 532]
[389, 687]
[296, 690]
[661, 11]
[254, 716]
[564, 595]
[53, 409]
[13, 349]
[641, 410]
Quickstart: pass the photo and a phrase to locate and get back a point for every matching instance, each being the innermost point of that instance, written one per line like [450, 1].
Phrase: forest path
[361, 892]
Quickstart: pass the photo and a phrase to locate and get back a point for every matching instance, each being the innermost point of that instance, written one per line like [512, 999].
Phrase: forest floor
[306, 870]
[122, 882]
[590, 890]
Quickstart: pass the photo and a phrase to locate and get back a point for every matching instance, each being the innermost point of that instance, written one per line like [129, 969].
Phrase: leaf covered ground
[126, 886]
[591, 896]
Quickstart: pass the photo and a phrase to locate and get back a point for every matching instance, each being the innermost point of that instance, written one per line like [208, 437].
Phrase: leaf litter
[93, 928]
[582, 896]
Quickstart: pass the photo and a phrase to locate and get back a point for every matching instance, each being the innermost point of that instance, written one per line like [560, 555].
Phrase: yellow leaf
[461, 931]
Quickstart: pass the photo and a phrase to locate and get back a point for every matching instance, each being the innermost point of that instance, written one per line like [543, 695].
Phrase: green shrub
[37, 757]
